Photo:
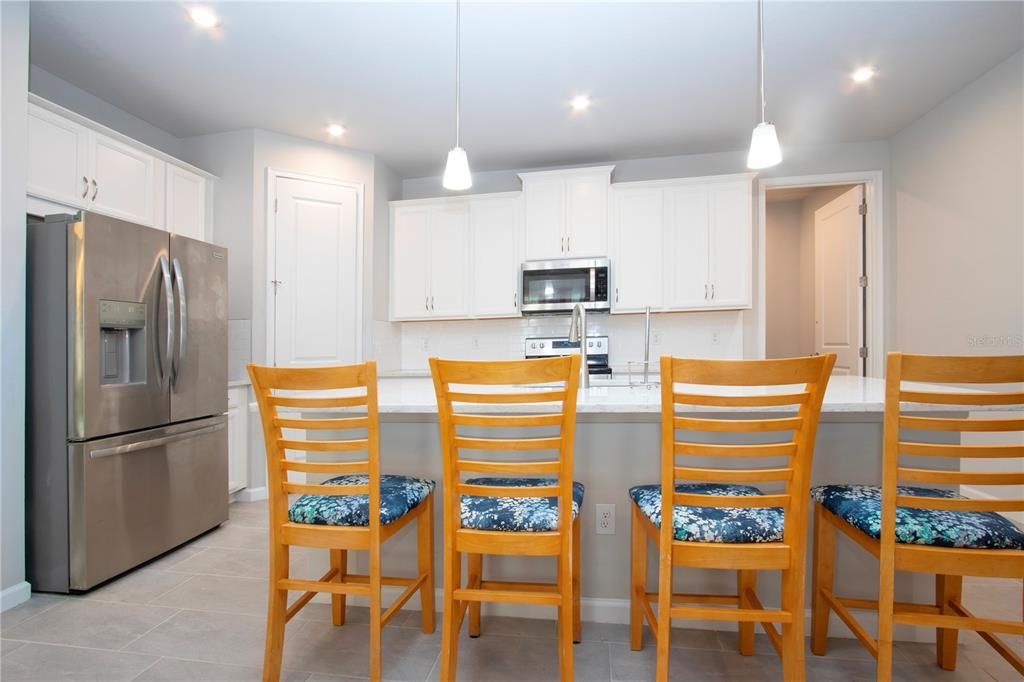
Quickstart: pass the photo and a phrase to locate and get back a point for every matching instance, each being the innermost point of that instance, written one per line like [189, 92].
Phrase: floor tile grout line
[166, 592]
[172, 615]
[148, 668]
[58, 600]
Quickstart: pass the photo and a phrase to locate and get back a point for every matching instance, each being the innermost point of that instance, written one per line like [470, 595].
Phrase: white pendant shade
[764, 147]
[456, 171]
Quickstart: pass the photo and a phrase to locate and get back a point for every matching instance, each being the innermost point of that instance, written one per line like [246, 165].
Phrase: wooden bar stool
[359, 509]
[501, 515]
[924, 529]
[718, 522]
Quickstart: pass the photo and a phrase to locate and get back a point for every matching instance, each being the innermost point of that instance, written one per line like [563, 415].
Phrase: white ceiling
[666, 78]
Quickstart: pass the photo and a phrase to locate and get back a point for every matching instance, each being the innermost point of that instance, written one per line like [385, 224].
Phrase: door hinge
[862, 281]
[863, 352]
[863, 208]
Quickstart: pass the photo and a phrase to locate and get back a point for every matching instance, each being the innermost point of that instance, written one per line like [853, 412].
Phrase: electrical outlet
[476, 343]
[605, 519]
[426, 344]
[716, 338]
[657, 338]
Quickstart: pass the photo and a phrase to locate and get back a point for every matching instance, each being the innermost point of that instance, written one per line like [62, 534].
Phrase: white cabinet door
[238, 438]
[123, 181]
[586, 214]
[186, 203]
[410, 242]
[638, 253]
[687, 240]
[495, 226]
[318, 264]
[544, 209]
[58, 158]
[449, 261]
[729, 227]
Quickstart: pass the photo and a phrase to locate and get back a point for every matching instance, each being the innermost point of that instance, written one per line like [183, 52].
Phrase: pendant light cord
[458, 70]
[760, 53]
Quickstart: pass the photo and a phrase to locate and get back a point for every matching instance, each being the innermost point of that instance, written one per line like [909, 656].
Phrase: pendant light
[764, 143]
[456, 171]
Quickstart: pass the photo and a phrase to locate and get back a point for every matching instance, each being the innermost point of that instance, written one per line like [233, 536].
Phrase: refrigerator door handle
[165, 367]
[153, 442]
[179, 282]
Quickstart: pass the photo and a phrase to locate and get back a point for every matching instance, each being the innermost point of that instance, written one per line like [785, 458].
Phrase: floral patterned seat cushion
[521, 514]
[713, 524]
[399, 495]
[861, 507]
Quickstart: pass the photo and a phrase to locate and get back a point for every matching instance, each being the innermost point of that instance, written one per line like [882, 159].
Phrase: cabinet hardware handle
[431, 302]
[515, 300]
[562, 247]
[616, 294]
[95, 189]
[85, 189]
[426, 303]
[568, 244]
[705, 291]
[712, 292]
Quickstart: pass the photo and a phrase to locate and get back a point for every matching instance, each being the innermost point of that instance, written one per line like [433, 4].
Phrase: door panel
[449, 261]
[410, 241]
[639, 227]
[729, 230]
[587, 216]
[544, 202]
[186, 203]
[318, 263]
[134, 497]
[57, 158]
[116, 264]
[687, 233]
[200, 275]
[838, 264]
[496, 227]
[125, 181]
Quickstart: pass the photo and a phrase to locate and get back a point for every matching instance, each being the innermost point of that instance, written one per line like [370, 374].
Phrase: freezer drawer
[134, 497]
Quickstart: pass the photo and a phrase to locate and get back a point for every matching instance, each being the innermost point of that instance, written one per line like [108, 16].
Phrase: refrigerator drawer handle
[179, 281]
[165, 368]
[153, 442]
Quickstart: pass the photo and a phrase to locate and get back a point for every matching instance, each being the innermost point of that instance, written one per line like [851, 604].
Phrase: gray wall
[59, 91]
[958, 186]
[13, 136]
[782, 263]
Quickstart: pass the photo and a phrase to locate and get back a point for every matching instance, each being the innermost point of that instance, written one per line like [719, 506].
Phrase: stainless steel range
[556, 346]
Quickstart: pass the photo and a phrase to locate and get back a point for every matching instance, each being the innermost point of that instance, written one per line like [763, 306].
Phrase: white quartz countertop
[415, 395]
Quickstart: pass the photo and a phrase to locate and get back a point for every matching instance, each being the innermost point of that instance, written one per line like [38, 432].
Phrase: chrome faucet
[578, 332]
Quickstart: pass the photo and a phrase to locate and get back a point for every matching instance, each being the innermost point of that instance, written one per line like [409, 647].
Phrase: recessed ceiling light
[580, 103]
[336, 130]
[863, 74]
[204, 17]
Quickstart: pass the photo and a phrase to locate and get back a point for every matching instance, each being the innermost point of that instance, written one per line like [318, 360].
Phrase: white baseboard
[14, 595]
[250, 494]
[974, 493]
[607, 610]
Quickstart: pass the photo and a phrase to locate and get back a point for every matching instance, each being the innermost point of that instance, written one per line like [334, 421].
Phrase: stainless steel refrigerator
[127, 390]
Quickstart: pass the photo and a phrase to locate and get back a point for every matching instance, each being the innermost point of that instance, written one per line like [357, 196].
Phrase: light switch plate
[605, 519]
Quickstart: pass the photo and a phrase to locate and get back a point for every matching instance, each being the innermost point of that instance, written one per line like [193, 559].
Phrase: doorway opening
[816, 298]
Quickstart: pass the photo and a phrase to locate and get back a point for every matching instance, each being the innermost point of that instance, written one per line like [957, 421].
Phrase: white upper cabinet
[449, 261]
[79, 164]
[730, 234]
[686, 234]
[638, 229]
[566, 212]
[496, 226]
[186, 203]
[58, 159]
[410, 242]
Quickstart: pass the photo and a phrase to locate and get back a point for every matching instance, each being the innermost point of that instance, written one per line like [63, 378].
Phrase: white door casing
[317, 267]
[838, 265]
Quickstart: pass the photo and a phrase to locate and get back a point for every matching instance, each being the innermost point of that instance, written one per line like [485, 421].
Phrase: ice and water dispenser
[123, 342]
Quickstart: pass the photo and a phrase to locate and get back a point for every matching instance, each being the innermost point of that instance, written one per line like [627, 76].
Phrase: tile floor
[197, 614]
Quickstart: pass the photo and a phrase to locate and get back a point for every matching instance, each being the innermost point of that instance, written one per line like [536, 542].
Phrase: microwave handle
[593, 284]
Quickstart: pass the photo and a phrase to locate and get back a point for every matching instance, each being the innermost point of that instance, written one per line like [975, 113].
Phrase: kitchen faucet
[578, 332]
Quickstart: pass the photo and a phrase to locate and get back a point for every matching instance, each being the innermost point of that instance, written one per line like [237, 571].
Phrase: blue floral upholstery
[398, 496]
[861, 507]
[713, 524]
[522, 514]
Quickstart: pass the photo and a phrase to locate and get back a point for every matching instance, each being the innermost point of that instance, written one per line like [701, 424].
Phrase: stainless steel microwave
[556, 286]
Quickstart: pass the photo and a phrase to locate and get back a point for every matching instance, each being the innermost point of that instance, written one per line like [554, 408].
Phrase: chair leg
[339, 561]
[577, 561]
[637, 580]
[746, 580]
[425, 562]
[450, 616]
[664, 612]
[822, 575]
[793, 664]
[475, 565]
[565, 648]
[277, 609]
[376, 672]
[947, 588]
[886, 587]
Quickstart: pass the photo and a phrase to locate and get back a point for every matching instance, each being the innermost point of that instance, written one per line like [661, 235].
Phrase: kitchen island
[617, 446]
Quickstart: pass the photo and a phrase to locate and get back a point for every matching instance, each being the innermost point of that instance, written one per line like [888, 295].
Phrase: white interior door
[838, 264]
[318, 266]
